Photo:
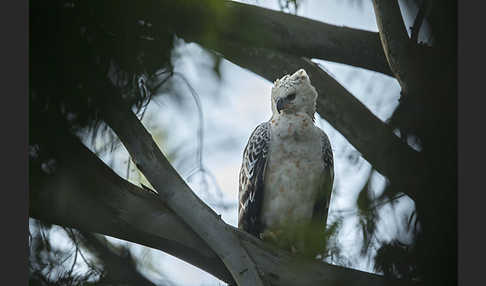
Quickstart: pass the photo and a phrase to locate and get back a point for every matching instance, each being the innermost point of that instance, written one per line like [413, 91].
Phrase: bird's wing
[321, 206]
[252, 178]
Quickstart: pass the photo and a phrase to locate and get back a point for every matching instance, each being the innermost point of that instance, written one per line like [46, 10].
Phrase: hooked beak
[282, 104]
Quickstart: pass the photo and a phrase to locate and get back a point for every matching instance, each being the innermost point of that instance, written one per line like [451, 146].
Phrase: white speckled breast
[294, 172]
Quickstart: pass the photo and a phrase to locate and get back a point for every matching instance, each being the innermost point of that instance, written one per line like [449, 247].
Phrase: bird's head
[294, 93]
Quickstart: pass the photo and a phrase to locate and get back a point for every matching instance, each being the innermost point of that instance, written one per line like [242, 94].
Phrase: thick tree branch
[303, 37]
[394, 39]
[160, 173]
[368, 134]
[120, 209]
[89, 196]
[214, 22]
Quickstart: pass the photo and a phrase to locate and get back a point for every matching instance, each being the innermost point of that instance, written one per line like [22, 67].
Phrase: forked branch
[159, 172]
[119, 209]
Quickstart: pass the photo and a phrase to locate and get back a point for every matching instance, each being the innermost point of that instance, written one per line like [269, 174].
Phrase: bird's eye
[291, 96]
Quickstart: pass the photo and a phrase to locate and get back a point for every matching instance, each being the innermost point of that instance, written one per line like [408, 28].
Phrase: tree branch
[304, 37]
[159, 172]
[394, 39]
[119, 268]
[368, 134]
[89, 196]
[214, 22]
[119, 209]
[417, 23]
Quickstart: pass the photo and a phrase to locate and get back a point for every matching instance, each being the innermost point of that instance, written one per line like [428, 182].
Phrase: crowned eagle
[287, 172]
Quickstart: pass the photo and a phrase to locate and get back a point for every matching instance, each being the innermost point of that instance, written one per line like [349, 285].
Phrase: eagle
[287, 172]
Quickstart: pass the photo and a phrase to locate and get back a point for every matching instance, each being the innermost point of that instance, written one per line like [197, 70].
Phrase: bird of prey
[287, 172]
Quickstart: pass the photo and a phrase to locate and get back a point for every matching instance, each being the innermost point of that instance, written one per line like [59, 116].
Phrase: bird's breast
[293, 175]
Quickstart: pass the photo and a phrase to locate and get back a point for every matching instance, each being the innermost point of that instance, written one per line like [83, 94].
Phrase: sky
[234, 105]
